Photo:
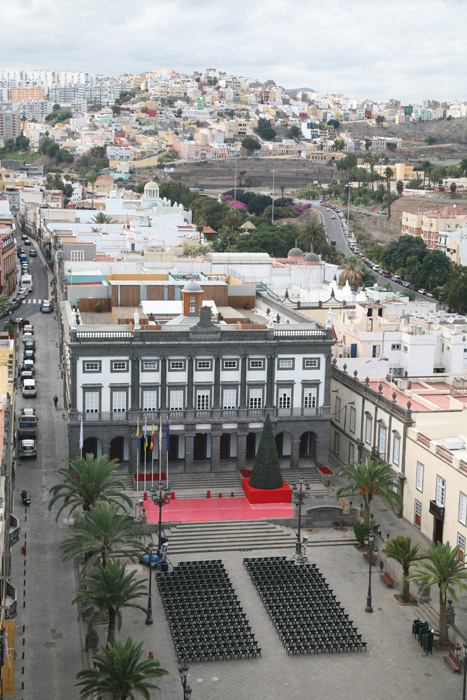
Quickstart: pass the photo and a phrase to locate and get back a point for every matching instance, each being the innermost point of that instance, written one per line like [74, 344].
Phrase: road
[335, 232]
[48, 638]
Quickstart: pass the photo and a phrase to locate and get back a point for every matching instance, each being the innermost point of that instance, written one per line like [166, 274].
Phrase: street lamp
[149, 619]
[300, 494]
[183, 671]
[464, 664]
[372, 550]
[272, 208]
[160, 500]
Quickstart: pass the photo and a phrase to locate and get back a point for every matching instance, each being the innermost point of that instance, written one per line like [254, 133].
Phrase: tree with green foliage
[92, 177]
[401, 550]
[120, 672]
[268, 238]
[361, 530]
[5, 304]
[100, 533]
[265, 130]
[415, 184]
[430, 140]
[441, 565]
[102, 218]
[372, 159]
[251, 145]
[400, 187]
[370, 479]
[380, 120]
[454, 292]
[335, 123]
[266, 473]
[433, 271]
[294, 132]
[453, 188]
[399, 251]
[388, 175]
[352, 272]
[313, 235]
[86, 481]
[391, 146]
[367, 144]
[105, 592]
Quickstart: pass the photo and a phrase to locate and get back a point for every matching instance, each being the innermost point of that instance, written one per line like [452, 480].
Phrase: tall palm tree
[92, 177]
[100, 533]
[106, 592]
[370, 479]
[351, 271]
[400, 548]
[313, 235]
[372, 159]
[200, 224]
[388, 176]
[87, 481]
[101, 218]
[120, 671]
[426, 165]
[232, 219]
[441, 565]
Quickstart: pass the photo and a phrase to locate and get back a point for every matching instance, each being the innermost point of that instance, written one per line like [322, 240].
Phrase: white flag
[81, 437]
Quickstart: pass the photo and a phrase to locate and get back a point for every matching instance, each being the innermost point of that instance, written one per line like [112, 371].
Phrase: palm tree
[87, 481]
[121, 672]
[351, 271]
[400, 548]
[373, 478]
[313, 235]
[426, 165]
[101, 532]
[201, 223]
[441, 565]
[101, 218]
[231, 218]
[105, 592]
[92, 177]
[388, 176]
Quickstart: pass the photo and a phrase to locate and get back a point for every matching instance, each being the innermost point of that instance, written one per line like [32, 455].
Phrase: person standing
[55, 400]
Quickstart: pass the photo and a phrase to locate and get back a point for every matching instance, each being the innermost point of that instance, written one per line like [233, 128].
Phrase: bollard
[172, 495]
[145, 496]
[208, 494]
[231, 494]
[220, 495]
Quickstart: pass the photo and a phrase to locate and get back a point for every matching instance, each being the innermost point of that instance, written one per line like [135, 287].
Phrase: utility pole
[272, 209]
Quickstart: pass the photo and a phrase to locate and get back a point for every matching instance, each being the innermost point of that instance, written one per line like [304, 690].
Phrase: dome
[192, 288]
[311, 257]
[151, 185]
[295, 253]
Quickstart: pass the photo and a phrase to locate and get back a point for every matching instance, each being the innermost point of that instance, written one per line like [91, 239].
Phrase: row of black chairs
[302, 607]
[206, 619]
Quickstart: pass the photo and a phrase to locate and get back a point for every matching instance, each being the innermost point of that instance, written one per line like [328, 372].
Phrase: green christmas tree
[266, 473]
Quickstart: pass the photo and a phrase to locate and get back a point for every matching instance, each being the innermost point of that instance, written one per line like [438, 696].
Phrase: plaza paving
[393, 667]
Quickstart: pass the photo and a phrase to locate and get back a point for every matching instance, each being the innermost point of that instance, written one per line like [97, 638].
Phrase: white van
[29, 388]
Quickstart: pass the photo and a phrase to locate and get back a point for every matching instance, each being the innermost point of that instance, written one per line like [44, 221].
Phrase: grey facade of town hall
[213, 384]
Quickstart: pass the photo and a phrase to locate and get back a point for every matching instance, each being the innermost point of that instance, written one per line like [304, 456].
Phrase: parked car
[29, 354]
[29, 343]
[47, 307]
[422, 291]
[28, 366]
[385, 273]
[29, 387]
[27, 242]
[27, 448]
[33, 253]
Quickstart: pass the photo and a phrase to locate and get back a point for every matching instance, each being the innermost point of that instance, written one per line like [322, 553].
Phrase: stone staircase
[237, 535]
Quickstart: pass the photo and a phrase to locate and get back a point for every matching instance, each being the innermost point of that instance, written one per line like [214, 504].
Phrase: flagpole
[137, 457]
[167, 444]
[160, 448]
[152, 451]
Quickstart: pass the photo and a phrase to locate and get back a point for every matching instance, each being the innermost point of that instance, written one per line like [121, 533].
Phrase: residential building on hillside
[428, 224]
[454, 244]
[10, 124]
[191, 357]
[7, 263]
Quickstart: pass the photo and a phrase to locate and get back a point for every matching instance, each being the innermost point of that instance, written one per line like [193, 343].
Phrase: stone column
[270, 382]
[135, 383]
[217, 383]
[241, 450]
[163, 388]
[295, 454]
[243, 396]
[215, 451]
[189, 386]
[189, 447]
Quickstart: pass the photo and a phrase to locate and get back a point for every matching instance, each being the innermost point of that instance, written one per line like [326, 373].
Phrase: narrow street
[48, 643]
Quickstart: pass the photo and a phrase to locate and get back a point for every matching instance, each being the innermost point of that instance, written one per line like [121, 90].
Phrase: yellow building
[428, 224]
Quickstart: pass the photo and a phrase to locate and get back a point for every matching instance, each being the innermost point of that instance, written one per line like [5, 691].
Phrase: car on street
[422, 291]
[27, 448]
[385, 273]
[33, 253]
[47, 306]
[27, 242]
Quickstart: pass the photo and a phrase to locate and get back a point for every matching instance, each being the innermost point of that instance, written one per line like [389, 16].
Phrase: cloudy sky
[407, 49]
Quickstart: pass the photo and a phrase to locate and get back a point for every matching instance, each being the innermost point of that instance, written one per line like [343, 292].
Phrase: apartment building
[427, 225]
[10, 124]
[7, 263]
[26, 93]
[202, 369]
[454, 244]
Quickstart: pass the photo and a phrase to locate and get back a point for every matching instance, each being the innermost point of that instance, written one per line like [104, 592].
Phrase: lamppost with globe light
[372, 552]
[183, 671]
[160, 500]
[149, 619]
[464, 664]
[300, 494]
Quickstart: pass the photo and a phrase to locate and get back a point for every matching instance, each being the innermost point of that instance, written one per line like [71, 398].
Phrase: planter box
[281, 495]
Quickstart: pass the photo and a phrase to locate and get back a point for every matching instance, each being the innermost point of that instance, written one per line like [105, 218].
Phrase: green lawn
[17, 155]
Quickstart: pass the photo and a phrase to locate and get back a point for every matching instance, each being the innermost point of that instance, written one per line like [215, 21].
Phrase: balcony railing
[14, 529]
[10, 601]
[187, 415]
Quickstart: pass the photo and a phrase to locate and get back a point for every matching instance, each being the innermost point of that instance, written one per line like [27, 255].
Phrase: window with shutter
[368, 429]
[440, 491]
[420, 475]
[149, 400]
[176, 400]
[463, 508]
[229, 399]
[118, 401]
[418, 514]
[396, 450]
[91, 402]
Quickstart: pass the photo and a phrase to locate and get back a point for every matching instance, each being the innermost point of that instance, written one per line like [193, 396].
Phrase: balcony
[10, 602]
[193, 415]
[436, 510]
[14, 529]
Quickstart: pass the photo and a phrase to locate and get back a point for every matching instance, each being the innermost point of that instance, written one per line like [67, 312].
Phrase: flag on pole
[167, 436]
[145, 436]
[81, 436]
[137, 435]
[152, 437]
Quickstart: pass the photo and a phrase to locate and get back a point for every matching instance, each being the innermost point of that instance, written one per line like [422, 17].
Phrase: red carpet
[188, 510]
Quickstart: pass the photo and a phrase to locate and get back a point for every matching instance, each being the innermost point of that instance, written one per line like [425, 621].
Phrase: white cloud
[408, 50]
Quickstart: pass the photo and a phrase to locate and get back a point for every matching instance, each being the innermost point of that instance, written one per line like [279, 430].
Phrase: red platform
[187, 510]
[282, 495]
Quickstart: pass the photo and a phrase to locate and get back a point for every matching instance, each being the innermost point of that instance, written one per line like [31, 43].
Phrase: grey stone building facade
[212, 384]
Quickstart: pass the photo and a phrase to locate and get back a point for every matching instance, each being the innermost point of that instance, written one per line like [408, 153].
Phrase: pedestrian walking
[19, 369]
[40, 306]
[55, 400]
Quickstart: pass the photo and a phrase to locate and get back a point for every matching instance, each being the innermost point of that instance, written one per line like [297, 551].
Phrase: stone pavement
[393, 667]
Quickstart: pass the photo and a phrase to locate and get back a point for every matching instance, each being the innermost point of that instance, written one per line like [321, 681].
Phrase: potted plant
[247, 305]
[98, 306]
[220, 316]
[151, 317]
